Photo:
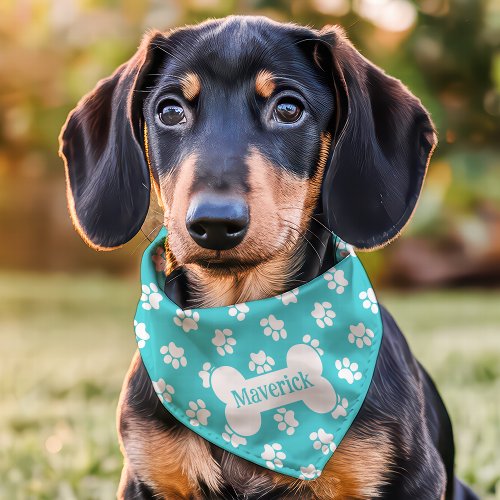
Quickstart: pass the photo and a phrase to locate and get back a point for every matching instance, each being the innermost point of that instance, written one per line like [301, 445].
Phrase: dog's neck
[196, 286]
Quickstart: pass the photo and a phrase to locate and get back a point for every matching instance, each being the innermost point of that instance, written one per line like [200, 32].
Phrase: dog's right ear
[101, 144]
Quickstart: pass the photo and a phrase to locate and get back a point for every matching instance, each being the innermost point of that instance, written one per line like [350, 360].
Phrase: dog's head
[247, 129]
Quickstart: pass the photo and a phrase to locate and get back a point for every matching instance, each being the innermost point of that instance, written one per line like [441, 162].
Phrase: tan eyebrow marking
[264, 83]
[190, 85]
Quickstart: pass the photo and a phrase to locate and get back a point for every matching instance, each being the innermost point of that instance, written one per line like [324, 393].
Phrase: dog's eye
[288, 110]
[171, 113]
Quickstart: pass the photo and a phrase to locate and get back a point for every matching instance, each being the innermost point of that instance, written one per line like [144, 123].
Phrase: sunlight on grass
[67, 342]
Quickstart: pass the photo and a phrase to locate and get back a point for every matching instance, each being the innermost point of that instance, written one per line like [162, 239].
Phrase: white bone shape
[246, 399]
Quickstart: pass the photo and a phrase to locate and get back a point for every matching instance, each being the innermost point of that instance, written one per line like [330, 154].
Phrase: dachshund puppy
[260, 139]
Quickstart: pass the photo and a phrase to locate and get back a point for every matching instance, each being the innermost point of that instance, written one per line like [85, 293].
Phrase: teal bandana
[276, 381]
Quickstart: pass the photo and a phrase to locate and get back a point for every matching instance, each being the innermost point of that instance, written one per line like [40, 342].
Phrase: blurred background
[66, 311]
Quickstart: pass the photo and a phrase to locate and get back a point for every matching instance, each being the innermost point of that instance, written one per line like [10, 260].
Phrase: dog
[260, 139]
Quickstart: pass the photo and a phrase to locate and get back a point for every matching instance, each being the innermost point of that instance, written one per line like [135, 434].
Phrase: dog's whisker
[312, 217]
[145, 238]
[301, 234]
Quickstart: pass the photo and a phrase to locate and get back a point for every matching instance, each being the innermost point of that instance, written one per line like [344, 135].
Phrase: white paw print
[260, 362]
[198, 413]
[187, 319]
[204, 374]
[288, 297]
[150, 297]
[231, 437]
[173, 355]
[314, 343]
[369, 300]
[239, 310]
[223, 341]
[336, 280]
[163, 390]
[141, 335]
[345, 249]
[309, 472]
[341, 409]
[360, 335]
[286, 420]
[273, 455]
[273, 327]
[347, 370]
[322, 441]
[323, 314]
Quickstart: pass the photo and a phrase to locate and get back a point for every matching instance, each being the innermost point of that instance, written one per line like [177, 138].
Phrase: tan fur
[174, 463]
[360, 465]
[314, 184]
[171, 463]
[148, 159]
[190, 86]
[264, 83]
[170, 260]
[358, 469]
[280, 208]
[281, 205]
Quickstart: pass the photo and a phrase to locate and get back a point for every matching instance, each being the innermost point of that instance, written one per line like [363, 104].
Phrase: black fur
[382, 138]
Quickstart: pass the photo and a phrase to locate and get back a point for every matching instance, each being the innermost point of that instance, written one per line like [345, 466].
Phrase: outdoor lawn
[67, 342]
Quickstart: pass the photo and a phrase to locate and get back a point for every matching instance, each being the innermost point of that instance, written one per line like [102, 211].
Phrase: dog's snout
[217, 222]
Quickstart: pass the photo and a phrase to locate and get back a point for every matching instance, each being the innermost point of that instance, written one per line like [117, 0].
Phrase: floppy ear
[107, 178]
[384, 140]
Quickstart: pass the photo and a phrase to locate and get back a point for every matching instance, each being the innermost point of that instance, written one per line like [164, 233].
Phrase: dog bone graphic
[246, 399]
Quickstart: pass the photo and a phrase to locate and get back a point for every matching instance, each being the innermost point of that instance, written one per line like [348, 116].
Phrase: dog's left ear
[383, 142]
[101, 144]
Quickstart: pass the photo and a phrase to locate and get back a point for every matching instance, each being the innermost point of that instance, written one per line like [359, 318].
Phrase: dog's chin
[225, 266]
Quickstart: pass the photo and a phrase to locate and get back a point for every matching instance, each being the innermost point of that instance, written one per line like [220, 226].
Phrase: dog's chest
[177, 463]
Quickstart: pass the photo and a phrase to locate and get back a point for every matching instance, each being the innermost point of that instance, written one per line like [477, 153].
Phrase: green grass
[67, 343]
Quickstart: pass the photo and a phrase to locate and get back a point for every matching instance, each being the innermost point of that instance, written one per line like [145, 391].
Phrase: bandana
[276, 381]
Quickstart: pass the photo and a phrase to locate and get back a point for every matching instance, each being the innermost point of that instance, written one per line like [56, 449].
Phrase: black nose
[217, 222]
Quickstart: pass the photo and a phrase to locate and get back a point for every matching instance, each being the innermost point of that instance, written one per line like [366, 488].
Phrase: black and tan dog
[260, 138]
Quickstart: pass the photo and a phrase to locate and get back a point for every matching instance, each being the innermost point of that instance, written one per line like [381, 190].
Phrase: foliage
[54, 51]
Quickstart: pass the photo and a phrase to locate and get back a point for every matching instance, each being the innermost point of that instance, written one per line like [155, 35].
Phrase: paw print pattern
[141, 335]
[231, 437]
[204, 374]
[260, 362]
[345, 249]
[159, 259]
[347, 370]
[163, 390]
[150, 297]
[198, 413]
[322, 441]
[239, 310]
[314, 343]
[273, 455]
[369, 300]
[341, 409]
[173, 355]
[309, 472]
[187, 319]
[223, 341]
[286, 420]
[336, 280]
[289, 297]
[323, 314]
[273, 327]
[360, 335]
